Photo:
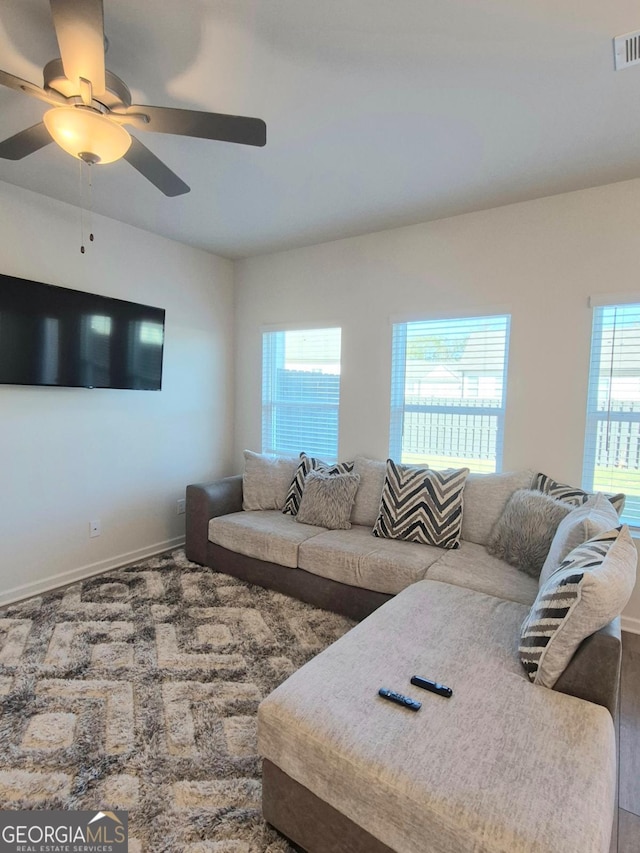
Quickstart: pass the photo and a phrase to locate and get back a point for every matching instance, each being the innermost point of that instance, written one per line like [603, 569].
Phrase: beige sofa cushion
[358, 558]
[485, 497]
[367, 503]
[266, 480]
[501, 766]
[472, 567]
[265, 534]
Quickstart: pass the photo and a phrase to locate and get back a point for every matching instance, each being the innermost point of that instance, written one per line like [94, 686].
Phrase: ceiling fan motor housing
[115, 97]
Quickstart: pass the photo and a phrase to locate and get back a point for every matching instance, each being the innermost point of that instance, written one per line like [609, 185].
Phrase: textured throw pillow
[305, 466]
[367, 503]
[485, 497]
[266, 480]
[596, 515]
[421, 505]
[327, 500]
[570, 494]
[589, 589]
[523, 534]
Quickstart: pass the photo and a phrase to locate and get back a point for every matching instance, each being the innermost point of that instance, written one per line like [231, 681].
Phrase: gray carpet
[138, 690]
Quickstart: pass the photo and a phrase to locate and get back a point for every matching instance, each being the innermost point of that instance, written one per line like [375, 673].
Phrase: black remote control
[399, 699]
[433, 686]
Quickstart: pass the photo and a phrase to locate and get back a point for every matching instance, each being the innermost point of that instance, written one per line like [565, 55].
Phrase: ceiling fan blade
[154, 170]
[79, 26]
[20, 85]
[25, 142]
[246, 131]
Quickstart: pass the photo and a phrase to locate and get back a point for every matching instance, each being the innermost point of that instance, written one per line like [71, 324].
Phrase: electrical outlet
[181, 506]
[94, 528]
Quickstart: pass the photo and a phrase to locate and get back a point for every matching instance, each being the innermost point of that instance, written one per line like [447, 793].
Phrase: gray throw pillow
[305, 466]
[327, 500]
[590, 588]
[524, 532]
[421, 505]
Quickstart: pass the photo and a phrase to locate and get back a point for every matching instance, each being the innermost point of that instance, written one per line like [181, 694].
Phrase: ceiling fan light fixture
[87, 134]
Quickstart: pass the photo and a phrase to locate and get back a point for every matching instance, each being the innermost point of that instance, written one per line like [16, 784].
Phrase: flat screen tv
[55, 336]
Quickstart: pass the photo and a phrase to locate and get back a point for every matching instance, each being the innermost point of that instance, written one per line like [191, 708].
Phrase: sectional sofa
[504, 764]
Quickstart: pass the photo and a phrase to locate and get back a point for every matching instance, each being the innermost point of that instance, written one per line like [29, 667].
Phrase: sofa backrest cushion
[367, 503]
[266, 480]
[485, 497]
[595, 516]
[589, 589]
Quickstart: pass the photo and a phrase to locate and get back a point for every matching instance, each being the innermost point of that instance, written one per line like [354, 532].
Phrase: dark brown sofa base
[309, 822]
[351, 601]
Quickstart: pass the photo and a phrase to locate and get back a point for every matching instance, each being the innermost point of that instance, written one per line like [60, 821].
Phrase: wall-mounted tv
[55, 336]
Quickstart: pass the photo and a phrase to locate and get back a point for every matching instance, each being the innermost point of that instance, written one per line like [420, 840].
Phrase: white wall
[68, 456]
[538, 260]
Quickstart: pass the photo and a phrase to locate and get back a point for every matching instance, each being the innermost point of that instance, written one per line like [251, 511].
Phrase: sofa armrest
[205, 501]
[594, 670]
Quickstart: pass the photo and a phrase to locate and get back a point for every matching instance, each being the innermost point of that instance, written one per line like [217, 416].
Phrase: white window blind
[301, 392]
[448, 392]
[612, 440]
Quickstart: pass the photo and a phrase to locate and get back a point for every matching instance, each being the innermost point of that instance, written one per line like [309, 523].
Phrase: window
[301, 392]
[448, 392]
[612, 440]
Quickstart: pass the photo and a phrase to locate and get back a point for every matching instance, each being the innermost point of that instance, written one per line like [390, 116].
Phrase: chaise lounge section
[503, 766]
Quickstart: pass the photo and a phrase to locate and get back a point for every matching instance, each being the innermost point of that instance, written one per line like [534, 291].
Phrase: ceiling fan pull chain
[81, 210]
[86, 201]
[90, 203]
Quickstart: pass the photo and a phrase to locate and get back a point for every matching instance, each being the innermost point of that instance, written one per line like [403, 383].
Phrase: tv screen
[56, 336]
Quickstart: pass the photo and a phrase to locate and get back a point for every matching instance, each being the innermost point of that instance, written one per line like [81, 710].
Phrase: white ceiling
[379, 113]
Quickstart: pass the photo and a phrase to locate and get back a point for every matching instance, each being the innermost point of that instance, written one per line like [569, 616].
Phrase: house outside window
[301, 392]
[612, 436]
[448, 392]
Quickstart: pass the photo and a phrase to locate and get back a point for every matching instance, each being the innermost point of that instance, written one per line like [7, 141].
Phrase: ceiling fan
[90, 106]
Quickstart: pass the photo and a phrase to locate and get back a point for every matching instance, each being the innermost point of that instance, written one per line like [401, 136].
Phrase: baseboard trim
[630, 624]
[28, 590]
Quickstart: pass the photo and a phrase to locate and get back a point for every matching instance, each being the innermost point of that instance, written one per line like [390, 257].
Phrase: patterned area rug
[138, 690]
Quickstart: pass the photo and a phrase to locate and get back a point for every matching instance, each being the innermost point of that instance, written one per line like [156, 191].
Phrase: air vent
[627, 50]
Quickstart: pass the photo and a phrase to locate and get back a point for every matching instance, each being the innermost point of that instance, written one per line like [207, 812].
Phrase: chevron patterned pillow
[590, 587]
[571, 494]
[305, 466]
[421, 505]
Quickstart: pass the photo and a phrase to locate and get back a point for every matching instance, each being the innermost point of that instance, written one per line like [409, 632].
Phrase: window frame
[273, 338]
[399, 334]
[594, 416]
